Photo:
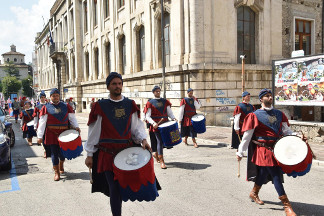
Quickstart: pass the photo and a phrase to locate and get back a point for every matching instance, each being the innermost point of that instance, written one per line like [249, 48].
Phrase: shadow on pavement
[299, 208]
[220, 145]
[188, 166]
[74, 176]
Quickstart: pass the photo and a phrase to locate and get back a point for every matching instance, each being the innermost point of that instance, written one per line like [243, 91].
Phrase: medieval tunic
[55, 118]
[36, 114]
[27, 116]
[188, 108]
[112, 124]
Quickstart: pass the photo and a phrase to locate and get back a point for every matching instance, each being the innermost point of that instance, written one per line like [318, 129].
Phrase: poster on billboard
[299, 81]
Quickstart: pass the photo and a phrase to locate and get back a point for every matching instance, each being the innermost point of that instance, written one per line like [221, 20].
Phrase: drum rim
[198, 115]
[30, 123]
[289, 136]
[132, 169]
[174, 122]
[69, 140]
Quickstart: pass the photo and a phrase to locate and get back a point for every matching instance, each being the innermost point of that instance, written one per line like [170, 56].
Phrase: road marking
[14, 180]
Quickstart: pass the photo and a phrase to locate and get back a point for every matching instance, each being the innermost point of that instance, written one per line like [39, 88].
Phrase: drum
[70, 144]
[199, 123]
[30, 126]
[170, 133]
[293, 155]
[134, 170]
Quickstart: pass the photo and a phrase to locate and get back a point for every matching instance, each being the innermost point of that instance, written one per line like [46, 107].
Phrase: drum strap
[263, 145]
[111, 150]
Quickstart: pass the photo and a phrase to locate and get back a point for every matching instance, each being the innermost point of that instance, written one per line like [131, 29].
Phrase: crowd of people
[115, 124]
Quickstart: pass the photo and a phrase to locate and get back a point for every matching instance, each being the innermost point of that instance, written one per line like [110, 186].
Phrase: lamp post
[243, 57]
[162, 44]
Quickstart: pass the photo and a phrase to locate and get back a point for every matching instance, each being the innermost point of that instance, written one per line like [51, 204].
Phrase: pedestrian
[72, 103]
[113, 122]
[265, 125]
[22, 103]
[38, 108]
[26, 116]
[188, 107]
[153, 140]
[92, 102]
[157, 111]
[54, 119]
[16, 109]
[240, 112]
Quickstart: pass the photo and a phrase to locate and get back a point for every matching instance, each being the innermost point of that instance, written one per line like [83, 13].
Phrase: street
[200, 181]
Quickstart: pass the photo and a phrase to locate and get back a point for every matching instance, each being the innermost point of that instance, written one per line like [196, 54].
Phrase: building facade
[203, 42]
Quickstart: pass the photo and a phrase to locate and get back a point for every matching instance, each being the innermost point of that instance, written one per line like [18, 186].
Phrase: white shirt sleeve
[245, 142]
[22, 121]
[36, 121]
[148, 116]
[41, 126]
[286, 129]
[137, 129]
[237, 121]
[73, 120]
[170, 113]
[94, 131]
[197, 104]
[181, 112]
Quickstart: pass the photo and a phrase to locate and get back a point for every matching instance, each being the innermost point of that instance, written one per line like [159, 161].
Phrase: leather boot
[254, 195]
[287, 206]
[162, 162]
[61, 167]
[57, 173]
[156, 156]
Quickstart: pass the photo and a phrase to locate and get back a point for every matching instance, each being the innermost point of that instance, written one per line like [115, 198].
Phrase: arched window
[95, 15]
[15, 60]
[108, 58]
[122, 54]
[141, 46]
[166, 30]
[8, 60]
[246, 34]
[87, 63]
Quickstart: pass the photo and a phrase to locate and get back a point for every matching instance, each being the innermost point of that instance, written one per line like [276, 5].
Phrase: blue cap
[155, 88]
[27, 102]
[245, 94]
[111, 76]
[189, 90]
[54, 91]
[264, 92]
[42, 94]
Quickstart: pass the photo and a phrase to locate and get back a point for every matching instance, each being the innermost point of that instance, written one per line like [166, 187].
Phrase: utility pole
[243, 57]
[163, 51]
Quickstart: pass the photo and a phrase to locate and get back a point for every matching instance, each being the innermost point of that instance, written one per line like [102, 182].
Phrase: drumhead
[31, 123]
[167, 124]
[198, 117]
[68, 135]
[132, 158]
[290, 150]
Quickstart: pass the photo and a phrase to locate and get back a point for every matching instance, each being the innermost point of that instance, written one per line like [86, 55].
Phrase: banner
[299, 81]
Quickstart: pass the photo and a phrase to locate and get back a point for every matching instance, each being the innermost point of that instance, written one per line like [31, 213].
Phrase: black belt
[269, 147]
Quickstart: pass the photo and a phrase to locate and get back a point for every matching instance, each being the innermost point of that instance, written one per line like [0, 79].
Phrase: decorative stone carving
[256, 5]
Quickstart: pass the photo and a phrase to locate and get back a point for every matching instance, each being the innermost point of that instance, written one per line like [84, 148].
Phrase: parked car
[5, 151]
[7, 127]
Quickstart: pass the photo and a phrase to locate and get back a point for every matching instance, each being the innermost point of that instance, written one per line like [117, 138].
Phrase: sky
[20, 20]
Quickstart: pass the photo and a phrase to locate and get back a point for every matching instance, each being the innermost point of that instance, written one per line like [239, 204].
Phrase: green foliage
[10, 84]
[0, 86]
[26, 83]
[11, 69]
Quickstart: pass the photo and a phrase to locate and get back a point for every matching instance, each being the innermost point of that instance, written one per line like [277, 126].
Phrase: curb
[211, 142]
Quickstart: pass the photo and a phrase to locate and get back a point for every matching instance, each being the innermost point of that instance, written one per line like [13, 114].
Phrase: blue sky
[20, 20]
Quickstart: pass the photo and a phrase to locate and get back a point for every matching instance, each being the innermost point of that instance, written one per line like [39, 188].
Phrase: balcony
[57, 50]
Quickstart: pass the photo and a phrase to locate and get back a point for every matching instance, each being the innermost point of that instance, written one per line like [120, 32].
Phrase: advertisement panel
[299, 81]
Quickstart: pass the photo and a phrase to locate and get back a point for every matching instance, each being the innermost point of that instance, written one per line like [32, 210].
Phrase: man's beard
[116, 94]
[267, 103]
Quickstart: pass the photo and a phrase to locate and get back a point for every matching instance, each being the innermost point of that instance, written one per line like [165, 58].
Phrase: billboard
[299, 81]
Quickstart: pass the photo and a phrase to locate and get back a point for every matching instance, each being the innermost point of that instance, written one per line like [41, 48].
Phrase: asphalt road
[200, 181]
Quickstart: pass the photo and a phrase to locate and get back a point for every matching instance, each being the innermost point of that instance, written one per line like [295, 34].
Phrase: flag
[48, 41]
[50, 37]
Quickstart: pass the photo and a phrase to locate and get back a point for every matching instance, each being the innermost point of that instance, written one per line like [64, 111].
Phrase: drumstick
[90, 174]
[239, 138]
[238, 173]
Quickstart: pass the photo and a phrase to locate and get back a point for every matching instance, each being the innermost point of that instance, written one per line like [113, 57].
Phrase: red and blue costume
[189, 111]
[158, 111]
[27, 116]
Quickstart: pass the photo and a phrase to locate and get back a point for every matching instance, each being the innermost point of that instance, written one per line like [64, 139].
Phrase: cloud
[22, 30]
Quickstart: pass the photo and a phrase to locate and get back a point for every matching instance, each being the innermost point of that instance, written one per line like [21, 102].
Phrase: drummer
[36, 113]
[55, 117]
[26, 116]
[267, 125]
[240, 112]
[157, 111]
[113, 124]
[16, 108]
[188, 106]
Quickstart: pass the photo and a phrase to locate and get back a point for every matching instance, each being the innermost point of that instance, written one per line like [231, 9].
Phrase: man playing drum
[265, 126]
[26, 116]
[240, 112]
[55, 118]
[157, 111]
[16, 109]
[113, 124]
[188, 106]
[36, 113]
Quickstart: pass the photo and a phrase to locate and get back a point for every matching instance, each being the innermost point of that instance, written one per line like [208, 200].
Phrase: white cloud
[22, 30]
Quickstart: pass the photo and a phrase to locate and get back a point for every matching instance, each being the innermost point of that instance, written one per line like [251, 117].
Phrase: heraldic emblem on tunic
[272, 119]
[159, 104]
[119, 113]
[57, 110]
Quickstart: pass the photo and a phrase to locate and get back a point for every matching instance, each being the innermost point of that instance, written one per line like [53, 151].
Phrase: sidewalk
[222, 136]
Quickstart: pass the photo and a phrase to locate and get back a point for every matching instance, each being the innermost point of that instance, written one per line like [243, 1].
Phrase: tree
[11, 69]
[10, 84]
[26, 85]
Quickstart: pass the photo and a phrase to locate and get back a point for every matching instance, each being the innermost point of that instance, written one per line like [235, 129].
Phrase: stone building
[203, 43]
[18, 59]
